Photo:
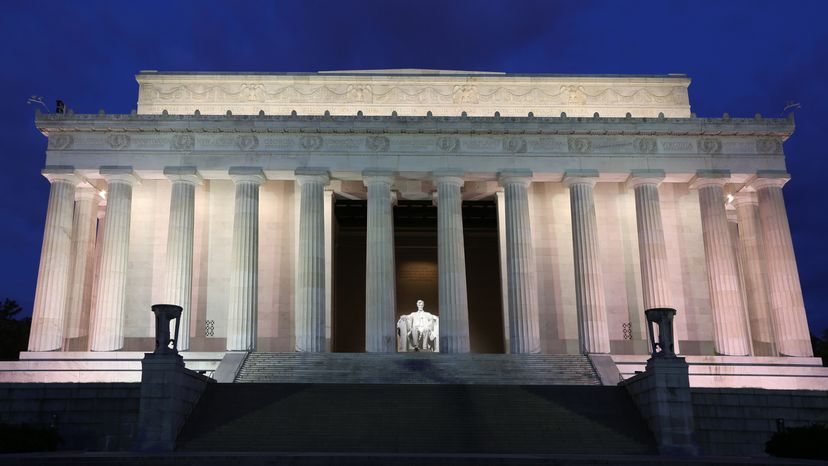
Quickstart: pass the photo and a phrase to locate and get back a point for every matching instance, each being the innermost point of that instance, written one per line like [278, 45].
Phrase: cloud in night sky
[743, 56]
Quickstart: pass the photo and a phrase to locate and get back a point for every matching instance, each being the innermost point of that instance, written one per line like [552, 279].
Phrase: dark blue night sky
[744, 57]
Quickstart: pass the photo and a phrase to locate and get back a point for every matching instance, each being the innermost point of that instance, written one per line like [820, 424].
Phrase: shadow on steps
[384, 418]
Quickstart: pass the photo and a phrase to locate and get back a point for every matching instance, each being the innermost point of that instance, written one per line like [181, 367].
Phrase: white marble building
[219, 194]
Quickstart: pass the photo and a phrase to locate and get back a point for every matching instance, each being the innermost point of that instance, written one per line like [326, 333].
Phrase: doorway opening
[415, 249]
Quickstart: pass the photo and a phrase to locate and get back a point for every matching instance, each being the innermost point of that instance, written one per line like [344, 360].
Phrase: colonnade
[775, 309]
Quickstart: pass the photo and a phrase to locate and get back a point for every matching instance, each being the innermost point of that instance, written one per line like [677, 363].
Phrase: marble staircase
[418, 368]
[416, 419]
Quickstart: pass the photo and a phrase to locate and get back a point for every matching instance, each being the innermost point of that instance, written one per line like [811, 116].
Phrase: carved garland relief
[388, 94]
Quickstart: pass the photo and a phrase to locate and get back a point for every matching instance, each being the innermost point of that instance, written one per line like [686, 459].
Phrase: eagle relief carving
[465, 95]
[253, 92]
[575, 94]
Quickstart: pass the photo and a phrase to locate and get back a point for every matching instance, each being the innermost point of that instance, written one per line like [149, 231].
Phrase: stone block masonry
[90, 416]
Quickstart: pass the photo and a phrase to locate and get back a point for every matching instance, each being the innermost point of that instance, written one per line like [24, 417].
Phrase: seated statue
[418, 331]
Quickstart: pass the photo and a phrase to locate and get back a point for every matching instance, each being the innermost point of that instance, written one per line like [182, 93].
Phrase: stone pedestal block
[168, 393]
[662, 394]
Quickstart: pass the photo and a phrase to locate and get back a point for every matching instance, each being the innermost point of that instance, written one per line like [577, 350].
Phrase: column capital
[522, 177]
[449, 176]
[86, 193]
[572, 177]
[375, 175]
[183, 175]
[120, 174]
[643, 177]
[312, 175]
[61, 173]
[247, 175]
[705, 178]
[769, 179]
[745, 197]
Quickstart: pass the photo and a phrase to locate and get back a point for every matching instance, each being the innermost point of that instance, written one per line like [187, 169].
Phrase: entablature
[480, 147]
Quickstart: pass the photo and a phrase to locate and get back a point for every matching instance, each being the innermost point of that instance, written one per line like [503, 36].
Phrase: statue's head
[420, 304]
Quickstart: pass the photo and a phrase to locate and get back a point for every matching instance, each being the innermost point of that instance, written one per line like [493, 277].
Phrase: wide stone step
[416, 418]
[417, 368]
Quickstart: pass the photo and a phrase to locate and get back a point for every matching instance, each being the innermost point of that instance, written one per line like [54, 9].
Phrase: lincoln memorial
[309, 212]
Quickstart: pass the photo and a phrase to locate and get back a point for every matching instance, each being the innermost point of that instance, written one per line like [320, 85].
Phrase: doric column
[179, 271]
[82, 269]
[329, 201]
[380, 285]
[49, 309]
[244, 274]
[501, 247]
[652, 249]
[451, 263]
[520, 264]
[729, 327]
[310, 272]
[108, 324]
[786, 303]
[589, 280]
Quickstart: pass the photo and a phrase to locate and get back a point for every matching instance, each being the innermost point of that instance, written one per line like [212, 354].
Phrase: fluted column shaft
[178, 288]
[729, 327]
[380, 285]
[751, 251]
[451, 263]
[652, 248]
[49, 310]
[785, 292]
[108, 325]
[520, 265]
[589, 279]
[310, 278]
[244, 274]
[82, 269]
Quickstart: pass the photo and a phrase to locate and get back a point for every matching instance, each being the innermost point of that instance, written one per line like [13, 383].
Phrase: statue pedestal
[662, 394]
[168, 393]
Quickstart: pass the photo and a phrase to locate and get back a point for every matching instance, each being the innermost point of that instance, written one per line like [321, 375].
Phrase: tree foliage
[14, 331]
[820, 345]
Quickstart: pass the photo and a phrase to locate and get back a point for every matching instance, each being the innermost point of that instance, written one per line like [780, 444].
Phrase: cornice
[49, 124]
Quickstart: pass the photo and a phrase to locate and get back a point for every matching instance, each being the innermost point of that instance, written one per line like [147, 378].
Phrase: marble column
[754, 273]
[652, 249]
[589, 279]
[501, 247]
[730, 335]
[107, 328]
[787, 306]
[244, 275]
[49, 312]
[380, 285]
[82, 270]
[451, 264]
[179, 269]
[329, 201]
[520, 264]
[310, 272]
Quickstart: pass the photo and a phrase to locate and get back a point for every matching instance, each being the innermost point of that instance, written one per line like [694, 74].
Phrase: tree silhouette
[14, 333]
